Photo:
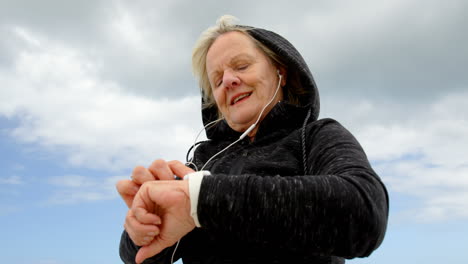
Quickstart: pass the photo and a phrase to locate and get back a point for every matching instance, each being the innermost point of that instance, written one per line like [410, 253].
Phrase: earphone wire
[175, 249]
[212, 157]
[272, 98]
[207, 126]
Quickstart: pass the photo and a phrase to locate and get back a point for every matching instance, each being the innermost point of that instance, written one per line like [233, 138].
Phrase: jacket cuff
[194, 181]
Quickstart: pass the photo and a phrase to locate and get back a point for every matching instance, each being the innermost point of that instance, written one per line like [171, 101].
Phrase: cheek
[219, 97]
[265, 88]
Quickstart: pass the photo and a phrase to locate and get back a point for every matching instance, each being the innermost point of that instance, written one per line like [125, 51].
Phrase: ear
[284, 75]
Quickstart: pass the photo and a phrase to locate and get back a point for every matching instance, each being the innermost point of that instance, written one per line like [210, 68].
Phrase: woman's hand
[170, 201]
[143, 233]
[159, 170]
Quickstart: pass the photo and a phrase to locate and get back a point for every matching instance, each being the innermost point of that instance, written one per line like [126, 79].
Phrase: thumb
[150, 250]
[179, 168]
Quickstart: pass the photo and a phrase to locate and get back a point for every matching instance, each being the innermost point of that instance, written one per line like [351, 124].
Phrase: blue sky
[91, 89]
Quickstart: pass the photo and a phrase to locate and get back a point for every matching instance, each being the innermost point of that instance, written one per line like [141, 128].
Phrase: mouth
[239, 97]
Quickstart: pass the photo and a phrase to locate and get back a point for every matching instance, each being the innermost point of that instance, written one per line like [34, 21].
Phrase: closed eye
[216, 81]
[242, 67]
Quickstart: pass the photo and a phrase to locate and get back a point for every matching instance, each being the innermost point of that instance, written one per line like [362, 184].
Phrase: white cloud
[26, 36]
[63, 104]
[72, 181]
[436, 131]
[423, 155]
[144, 54]
[11, 180]
[70, 189]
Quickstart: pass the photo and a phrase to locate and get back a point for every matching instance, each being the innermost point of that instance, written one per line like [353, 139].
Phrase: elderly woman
[272, 184]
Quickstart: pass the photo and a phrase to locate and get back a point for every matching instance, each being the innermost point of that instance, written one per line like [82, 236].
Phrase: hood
[294, 63]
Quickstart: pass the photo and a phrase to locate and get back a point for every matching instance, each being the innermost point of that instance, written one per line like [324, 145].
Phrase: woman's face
[242, 78]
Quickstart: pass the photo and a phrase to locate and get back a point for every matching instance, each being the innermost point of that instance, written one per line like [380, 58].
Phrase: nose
[230, 80]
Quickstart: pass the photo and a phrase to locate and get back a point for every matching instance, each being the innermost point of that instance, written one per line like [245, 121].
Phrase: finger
[127, 187]
[143, 239]
[145, 217]
[179, 169]
[141, 175]
[127, 190]
[138, 228]
[142, 208]
[141, 234]
[150, 250]
[160, 169]
[139, 240]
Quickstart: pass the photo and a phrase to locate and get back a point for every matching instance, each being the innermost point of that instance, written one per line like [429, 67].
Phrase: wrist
[194, 181]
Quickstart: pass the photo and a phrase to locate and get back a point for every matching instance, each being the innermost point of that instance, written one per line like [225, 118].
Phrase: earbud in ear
[278, 71]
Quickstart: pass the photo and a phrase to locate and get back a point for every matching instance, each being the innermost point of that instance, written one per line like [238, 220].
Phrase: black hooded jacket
[302, 192]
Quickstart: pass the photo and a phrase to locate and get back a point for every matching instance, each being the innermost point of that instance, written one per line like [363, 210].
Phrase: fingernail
[147, 238]
[157, 222]
[152, 234]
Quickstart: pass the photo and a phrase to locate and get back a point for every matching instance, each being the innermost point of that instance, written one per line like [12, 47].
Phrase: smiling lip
[244, 95]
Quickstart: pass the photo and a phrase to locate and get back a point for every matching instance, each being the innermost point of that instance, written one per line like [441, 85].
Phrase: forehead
[228, 46]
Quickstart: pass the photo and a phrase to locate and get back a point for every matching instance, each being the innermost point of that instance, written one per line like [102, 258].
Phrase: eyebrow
[233, 59]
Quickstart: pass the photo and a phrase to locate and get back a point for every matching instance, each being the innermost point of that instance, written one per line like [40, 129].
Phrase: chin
[240, 126]
[242, 119]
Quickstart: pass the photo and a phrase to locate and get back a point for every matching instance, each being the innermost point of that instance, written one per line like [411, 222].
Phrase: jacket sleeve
[340, 208]
[128, 251]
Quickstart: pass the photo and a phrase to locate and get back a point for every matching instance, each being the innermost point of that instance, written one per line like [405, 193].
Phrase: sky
[91, 89]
